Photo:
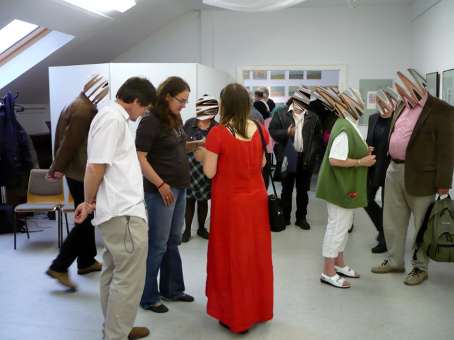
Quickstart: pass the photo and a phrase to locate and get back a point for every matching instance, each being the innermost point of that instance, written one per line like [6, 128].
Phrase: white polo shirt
[339, 148]
[110, 142]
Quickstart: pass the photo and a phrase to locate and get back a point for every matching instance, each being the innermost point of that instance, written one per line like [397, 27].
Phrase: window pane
[277, 91]
[314, 75]
[296, 75]
[277, 75]
[15, 31]
[259, 75]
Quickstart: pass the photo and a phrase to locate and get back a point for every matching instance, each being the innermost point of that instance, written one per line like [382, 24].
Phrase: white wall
[433, 38]
[178, 41]
[373, 41]
[210, 81]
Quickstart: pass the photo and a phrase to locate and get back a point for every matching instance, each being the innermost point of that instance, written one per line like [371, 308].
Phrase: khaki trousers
[398, 207]
[123, 275]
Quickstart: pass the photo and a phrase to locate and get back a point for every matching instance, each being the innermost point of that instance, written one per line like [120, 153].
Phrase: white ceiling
[99, 39]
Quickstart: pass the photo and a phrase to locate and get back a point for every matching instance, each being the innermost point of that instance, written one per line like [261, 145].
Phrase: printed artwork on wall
[448, 86]
[433, 83]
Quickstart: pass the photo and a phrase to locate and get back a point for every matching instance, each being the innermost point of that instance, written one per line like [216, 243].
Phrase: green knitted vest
[344, 187]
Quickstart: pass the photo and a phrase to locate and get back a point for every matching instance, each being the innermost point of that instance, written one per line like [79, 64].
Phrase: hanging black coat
[15, 156]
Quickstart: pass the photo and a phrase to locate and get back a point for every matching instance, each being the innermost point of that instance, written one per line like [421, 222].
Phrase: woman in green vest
[342, 183]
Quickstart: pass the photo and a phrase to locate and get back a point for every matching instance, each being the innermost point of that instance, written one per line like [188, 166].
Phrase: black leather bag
[276, 214]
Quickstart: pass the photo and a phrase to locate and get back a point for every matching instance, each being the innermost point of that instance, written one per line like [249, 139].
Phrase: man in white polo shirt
[113, 186]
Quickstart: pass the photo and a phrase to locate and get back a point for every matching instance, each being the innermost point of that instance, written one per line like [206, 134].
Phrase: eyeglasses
[181, 101]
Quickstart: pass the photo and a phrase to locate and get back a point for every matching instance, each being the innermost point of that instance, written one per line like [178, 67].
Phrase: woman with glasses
[161, 148]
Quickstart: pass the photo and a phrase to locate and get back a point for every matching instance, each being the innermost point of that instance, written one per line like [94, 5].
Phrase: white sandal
[347, 271]
[335, 281]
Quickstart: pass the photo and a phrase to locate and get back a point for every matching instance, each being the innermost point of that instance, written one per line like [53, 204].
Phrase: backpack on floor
[436, 236]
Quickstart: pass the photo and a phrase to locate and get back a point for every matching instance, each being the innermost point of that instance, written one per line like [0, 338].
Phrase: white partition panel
[157, 73]
[211, 81]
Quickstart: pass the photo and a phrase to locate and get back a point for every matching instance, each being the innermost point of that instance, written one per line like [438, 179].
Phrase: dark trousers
[80, 242]
[374, 211]
[303, 184]
[202, 213]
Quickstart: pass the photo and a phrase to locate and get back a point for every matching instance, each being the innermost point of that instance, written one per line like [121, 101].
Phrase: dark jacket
[312, 135]
[70, 151]
[429, 159]
[377, 136]
[15, 153]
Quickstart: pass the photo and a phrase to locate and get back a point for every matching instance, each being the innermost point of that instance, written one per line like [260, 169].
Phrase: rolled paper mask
[384, 106]
[405, 96]
[91, 82]
[418, 78]
[416, 91]
[206, 108]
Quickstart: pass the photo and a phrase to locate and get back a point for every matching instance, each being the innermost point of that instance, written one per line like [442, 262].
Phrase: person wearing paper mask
[421, 148]
[342, 184]
[377, 138]
[298, 130]
[200, 188]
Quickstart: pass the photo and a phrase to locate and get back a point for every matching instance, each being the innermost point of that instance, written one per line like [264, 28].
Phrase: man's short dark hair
[137, 88]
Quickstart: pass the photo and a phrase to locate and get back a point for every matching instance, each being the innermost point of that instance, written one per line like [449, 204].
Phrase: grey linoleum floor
[34, 307]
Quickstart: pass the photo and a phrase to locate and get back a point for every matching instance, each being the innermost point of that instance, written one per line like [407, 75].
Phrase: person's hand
[191, 146]
[54, 176]
[443, 191]
[83, 210]
[166, 194]
[291, 131]
[199, 154]
[370, 149]
[368, 161]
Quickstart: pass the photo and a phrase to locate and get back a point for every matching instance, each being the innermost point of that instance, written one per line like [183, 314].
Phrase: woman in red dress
[240, 272]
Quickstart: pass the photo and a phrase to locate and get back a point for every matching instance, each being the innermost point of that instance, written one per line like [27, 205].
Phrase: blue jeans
[164, 237]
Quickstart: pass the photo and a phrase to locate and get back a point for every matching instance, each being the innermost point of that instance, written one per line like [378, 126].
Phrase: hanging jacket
[15, 156]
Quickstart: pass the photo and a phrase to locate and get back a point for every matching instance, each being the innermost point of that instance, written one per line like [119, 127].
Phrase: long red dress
[240, 270]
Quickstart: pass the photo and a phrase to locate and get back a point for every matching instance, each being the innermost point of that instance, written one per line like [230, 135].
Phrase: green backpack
[436, 236]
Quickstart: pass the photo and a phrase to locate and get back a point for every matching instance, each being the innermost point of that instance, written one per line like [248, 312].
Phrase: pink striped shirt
[403, 129]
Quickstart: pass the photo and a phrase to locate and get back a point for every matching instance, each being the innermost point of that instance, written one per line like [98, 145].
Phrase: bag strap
[262, 138]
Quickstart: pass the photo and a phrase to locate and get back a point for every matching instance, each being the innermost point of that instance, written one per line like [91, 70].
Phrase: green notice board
[368, 88]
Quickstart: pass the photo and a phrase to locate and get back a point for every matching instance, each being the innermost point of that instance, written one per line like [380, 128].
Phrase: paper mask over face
[96, 89]
[412, 92]
[384, 105]
[206, 107]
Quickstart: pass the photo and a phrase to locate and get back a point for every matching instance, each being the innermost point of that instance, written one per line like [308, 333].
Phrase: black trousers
[303, 184]
[80, 242]
[374, 211]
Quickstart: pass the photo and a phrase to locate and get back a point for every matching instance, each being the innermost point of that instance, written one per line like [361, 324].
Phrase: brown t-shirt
[166, 150]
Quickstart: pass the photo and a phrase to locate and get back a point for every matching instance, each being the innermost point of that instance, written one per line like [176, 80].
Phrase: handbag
[275, 212]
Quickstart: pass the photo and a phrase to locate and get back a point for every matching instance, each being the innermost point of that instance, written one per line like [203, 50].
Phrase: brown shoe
[138, 333]
[62, 278]
[415, 277]
[385, 268]
[95, 267]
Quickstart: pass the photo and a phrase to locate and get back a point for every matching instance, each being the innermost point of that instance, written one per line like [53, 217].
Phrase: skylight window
[14, 32]
[103, 6]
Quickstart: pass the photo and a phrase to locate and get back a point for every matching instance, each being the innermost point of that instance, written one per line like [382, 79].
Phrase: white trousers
[339, 222]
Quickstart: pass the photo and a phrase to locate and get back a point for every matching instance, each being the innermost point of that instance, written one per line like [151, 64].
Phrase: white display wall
[66, 82]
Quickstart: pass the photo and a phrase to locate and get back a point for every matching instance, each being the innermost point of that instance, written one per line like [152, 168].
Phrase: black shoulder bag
[276, 214]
